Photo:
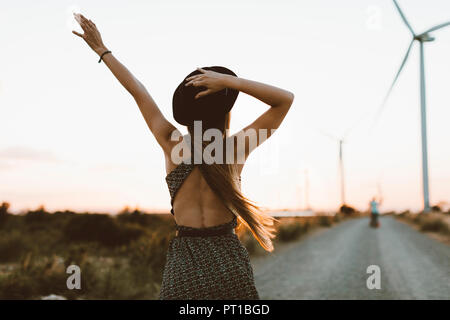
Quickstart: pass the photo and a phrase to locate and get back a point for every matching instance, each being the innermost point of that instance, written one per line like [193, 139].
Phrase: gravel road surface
[332, 264]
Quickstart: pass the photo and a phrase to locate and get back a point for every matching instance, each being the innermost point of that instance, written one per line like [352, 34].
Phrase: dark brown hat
[210, 109]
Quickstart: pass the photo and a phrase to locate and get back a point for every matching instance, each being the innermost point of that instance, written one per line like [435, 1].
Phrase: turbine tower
[341, 170]
[340, 142]
[308, 206]
[422, 38]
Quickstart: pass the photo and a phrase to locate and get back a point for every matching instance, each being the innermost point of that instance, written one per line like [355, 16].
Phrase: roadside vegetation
[435, 222]
[121, 256]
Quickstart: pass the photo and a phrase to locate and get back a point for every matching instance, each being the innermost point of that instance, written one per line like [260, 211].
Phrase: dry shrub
[428, 222]
[325, 221]
[291, 231]
[434, 224]
[100, 228]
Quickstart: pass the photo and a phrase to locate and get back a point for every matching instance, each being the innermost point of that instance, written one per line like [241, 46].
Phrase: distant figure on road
[374, 213]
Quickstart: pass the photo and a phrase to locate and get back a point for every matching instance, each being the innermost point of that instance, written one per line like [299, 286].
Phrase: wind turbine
[340, 141]
[308, 206]
[341, 170]
[421, 38]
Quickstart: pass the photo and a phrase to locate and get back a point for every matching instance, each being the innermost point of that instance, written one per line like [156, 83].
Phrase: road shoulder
[438, 236]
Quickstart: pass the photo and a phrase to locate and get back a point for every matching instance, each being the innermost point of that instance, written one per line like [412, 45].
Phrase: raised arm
[159, 126]
[278, 99]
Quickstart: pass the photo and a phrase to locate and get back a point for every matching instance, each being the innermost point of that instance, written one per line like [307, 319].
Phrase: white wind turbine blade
[399, 71]
[380, 110]
[328, 135]
[404, 18]
[439, 26]
[354, 125]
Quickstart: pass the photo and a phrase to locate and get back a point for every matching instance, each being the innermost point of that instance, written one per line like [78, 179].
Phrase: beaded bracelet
[101, 57]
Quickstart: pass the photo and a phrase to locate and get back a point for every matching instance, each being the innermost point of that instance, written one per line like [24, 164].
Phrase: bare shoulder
[177, 151]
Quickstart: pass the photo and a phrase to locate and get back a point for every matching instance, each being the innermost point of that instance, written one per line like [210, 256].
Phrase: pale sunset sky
[72, 138]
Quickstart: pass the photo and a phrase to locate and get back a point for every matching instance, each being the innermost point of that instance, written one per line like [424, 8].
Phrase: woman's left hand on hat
[212, 81]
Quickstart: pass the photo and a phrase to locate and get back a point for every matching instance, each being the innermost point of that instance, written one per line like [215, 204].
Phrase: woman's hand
[213, 81]
[91, 34]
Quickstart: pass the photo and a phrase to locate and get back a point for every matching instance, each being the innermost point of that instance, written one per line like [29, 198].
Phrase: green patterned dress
[205, 263]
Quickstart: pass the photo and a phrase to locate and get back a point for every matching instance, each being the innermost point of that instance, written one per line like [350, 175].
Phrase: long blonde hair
[221, 178]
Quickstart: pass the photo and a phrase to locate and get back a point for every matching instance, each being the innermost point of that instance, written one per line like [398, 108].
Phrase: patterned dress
[205, 263]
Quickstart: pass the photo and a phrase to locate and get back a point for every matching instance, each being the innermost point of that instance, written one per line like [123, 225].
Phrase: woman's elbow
[285, 101]
[289, 98]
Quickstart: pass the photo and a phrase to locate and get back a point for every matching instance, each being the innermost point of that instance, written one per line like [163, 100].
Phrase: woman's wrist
[101, 50]
[231, 82]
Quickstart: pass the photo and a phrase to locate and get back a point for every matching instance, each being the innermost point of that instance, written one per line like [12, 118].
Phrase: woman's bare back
[196, 205]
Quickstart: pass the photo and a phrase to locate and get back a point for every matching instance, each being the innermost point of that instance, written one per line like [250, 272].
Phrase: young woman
[205, 260]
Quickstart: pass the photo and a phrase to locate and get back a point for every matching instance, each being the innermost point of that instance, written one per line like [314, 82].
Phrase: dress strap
[176, 178]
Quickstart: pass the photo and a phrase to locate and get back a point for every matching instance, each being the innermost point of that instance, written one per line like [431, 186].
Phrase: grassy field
[121, 256]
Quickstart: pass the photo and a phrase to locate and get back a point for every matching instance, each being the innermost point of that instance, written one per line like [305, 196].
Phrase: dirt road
[332, 264]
